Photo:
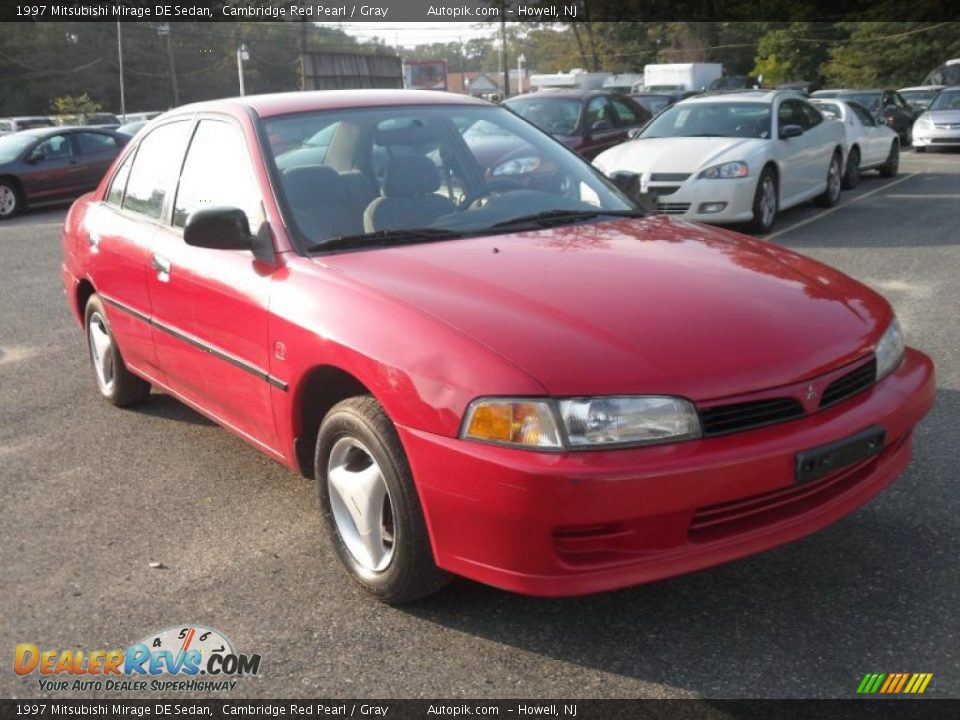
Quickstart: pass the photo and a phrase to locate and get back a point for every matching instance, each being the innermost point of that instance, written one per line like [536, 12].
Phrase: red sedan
[527, 384]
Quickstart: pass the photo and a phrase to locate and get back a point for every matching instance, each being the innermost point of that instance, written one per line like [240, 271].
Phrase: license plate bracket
[813, 464]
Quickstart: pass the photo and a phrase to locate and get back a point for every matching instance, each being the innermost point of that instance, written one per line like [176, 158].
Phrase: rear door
[600, 127]
[210, 306]
[95, 152]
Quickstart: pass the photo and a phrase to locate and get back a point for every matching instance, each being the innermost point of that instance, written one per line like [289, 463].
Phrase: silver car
[939, 126]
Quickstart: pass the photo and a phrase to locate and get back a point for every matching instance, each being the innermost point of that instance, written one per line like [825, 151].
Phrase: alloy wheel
[361, 505]
[768, 202]
[8, 200]
[101, 352]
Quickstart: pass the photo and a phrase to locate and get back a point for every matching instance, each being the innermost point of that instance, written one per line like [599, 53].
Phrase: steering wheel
[488, 187]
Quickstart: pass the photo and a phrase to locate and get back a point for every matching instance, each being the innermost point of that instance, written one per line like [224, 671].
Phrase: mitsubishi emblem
[811, 392]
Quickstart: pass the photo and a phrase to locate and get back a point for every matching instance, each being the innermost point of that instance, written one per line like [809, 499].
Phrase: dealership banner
[519, 709]
[378, 11]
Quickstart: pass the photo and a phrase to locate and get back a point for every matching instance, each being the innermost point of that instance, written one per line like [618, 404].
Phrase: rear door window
[155, 169]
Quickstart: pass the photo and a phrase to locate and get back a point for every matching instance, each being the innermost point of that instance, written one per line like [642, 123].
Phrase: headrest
[413, 131]
[311, 184]
[407, 175]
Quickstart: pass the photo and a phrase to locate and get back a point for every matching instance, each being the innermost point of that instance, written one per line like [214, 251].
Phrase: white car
[735, 157]
[939, 126]
[868, 145]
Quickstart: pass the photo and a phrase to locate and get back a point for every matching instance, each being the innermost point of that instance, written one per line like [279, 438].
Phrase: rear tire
[11, 201]
[890, 168]
[765, 203]
[370, 505]
[851, 178]
[830, 196]
[117, 385]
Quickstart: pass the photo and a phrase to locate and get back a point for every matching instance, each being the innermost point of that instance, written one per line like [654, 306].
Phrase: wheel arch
[317, 391]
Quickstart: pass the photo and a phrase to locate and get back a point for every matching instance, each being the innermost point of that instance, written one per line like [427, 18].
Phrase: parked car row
[107, 121]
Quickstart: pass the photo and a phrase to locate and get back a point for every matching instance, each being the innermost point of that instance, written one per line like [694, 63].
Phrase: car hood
[943, 116]
[675, 155]
[639, 306]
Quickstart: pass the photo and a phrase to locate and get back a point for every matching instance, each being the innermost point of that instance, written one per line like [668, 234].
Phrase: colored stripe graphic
[894, 683]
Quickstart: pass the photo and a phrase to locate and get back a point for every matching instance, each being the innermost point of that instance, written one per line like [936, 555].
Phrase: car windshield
[946, 100]
[421, 174]
[34, 123]
[869, 100]
[555, 115]
[12, 145]
[918, 98]
[712, 119]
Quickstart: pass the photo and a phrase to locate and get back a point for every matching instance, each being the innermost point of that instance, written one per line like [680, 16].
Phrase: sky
[408, 34]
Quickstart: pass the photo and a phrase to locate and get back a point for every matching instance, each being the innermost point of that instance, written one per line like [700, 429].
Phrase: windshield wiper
[551, 218]
[385, 238]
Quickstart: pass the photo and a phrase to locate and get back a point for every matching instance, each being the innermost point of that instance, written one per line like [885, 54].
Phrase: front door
[210, 306]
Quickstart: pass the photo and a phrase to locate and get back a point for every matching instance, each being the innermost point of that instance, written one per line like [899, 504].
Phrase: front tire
[116, 383]
[765, 202]
[831, 195]
[851, 178]
[890, 168]
[370, 505]
[11, 202]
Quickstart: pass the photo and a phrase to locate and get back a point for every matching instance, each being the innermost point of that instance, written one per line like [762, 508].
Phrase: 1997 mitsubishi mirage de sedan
[494, 368]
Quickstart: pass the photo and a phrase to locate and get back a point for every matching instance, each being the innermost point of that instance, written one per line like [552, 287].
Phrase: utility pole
[123, 94]
[521, 59]
[242, 55]
[165, 30]
[303, 55]
[503, 48]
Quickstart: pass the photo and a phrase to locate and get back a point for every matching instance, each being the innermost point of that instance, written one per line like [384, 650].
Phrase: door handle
[162, 266]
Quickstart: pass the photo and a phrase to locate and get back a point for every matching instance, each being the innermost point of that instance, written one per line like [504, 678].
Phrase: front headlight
[924, 121]
[726, 170]
[517, 166]
[587, 422]
[889, 350]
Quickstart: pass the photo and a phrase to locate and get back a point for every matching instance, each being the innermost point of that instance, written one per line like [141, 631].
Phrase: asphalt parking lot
[92, 495]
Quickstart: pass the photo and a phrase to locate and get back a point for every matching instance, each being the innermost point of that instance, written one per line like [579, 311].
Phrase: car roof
[744, 95]
[923, 87]
[314, 100]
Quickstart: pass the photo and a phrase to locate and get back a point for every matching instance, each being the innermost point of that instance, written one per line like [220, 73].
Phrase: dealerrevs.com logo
[184, 657]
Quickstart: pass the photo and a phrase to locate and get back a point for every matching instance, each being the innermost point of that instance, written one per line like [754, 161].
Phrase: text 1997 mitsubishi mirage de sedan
[491, 362]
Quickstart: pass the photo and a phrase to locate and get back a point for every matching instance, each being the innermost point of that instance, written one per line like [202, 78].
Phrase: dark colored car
[946, 74]
[655, 101]
[51, 164]
[588, 121]
[804, 87]
[733, 82]
[886, 106]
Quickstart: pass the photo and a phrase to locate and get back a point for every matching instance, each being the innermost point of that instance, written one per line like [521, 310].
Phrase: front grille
[668, 177]
[845, 386]
[722, 419]
[661, 190]
[673, 208]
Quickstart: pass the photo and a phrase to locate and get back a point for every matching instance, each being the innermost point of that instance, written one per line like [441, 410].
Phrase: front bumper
[925, 136]
[575, 523]
[688, 200]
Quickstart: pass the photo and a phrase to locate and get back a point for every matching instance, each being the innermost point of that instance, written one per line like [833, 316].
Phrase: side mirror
[634, 133]
[790, 131]
[600, 125]
[35, 156]
[218, 228]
